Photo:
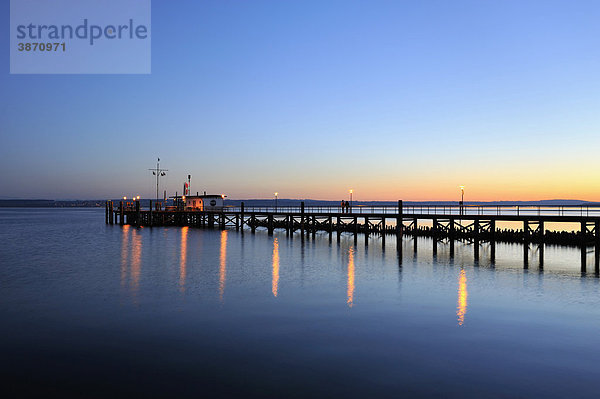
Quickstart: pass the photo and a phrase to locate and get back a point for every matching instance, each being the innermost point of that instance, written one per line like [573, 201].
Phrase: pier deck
[472, 224]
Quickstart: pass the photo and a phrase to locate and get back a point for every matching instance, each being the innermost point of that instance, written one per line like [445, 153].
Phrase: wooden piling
[492, 241]
[583, 247]
[242, 217]
[302, 218]
[434, 231]
[597, 246]
[476, 232]
[382, 231]
[399, 220]
[525, 244]
[121, 214]
[415, 232]
[137, 213]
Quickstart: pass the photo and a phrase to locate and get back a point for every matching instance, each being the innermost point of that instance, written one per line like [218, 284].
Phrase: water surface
[93, 310]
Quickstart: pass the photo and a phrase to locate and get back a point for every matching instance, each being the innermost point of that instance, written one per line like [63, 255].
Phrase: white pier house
[206, 202]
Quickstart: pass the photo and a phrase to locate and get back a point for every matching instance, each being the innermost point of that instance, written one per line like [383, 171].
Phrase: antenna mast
[158, 172]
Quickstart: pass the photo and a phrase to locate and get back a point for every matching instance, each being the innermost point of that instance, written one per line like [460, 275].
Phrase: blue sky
[398, 99]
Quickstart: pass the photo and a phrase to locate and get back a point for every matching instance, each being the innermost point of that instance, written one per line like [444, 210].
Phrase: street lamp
[276, 197]
[462, 199]
[158, 172]
[351, 191]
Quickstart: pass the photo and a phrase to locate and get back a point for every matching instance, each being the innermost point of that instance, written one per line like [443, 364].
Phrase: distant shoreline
[44, 203]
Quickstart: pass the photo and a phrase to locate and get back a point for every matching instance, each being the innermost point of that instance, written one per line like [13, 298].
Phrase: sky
[393, 99]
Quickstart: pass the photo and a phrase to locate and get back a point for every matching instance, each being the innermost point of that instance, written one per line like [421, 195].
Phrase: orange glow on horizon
[510, 182]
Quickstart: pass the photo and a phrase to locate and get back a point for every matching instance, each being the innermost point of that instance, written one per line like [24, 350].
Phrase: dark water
[94, 310]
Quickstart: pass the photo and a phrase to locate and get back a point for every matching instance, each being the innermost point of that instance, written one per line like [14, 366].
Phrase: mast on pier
[158, 172]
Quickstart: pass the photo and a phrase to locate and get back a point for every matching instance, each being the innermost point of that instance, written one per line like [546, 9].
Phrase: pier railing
[483, 210]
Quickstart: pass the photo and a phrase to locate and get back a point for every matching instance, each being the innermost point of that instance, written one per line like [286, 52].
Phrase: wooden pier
[472, 224]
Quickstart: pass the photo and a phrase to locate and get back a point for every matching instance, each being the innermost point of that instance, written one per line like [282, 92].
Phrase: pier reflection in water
[265, 313]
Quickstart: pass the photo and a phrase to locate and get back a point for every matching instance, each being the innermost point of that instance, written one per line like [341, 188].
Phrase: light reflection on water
[183, 258]
[351, 276]
[461, 307]
[223, 264]
[275, 282]
[114, 294]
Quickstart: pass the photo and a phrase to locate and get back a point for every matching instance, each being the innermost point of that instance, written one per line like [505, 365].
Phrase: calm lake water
[94, 310]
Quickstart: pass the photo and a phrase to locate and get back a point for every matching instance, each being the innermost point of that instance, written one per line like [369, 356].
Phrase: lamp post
[276, 197]
[462, 199]
[158, 172]
[351, 191]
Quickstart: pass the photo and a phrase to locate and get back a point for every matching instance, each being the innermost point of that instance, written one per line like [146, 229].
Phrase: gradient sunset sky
[395, 99]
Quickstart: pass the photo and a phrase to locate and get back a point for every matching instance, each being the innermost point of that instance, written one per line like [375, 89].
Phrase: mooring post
[137, 213]
[583, 247]
[383, 231]
[106, 212]
[415, 231]
[476, 239]
[597, 246]
[541, 247]
[111, 216]
[492, 241]
[434, 234]
[367, 228]
[121, 214]
[270, 224]
[253, 222]
[451, 234]
[525, 244]
[242, 217]
[302, 218]
[338, 228]
[399, 220]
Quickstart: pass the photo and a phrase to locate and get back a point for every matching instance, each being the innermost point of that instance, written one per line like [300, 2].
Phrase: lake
[93, 310]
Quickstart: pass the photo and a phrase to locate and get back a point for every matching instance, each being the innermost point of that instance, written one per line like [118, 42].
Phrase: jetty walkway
[444, 223]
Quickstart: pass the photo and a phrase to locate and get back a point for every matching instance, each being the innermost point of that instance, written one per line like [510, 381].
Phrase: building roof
[205, 196]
